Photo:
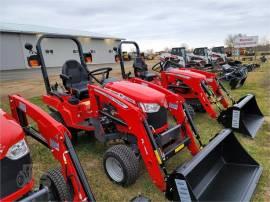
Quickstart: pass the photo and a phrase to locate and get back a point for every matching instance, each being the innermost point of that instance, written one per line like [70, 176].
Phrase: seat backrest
[139, 64]
[76, 71]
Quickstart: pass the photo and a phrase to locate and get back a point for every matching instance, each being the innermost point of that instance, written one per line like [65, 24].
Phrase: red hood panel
[10, 133]
[186, 73]
[137, 92]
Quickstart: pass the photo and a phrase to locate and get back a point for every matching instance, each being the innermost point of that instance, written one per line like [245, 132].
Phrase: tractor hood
[186, 73]
[137, 92]
[10, 133]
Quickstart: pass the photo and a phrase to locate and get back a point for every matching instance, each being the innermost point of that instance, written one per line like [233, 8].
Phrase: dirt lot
[90, 152]
[29, 82]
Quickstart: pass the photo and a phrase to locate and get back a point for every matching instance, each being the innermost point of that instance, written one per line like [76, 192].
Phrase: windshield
[218, 49]
[177, 51]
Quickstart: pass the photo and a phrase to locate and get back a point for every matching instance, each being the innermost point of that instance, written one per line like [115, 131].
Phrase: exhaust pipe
[222, 171]
[244, 117]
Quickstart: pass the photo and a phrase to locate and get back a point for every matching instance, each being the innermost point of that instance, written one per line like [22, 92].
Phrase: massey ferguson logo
[122, 96]
[113, 99]
[181, 76]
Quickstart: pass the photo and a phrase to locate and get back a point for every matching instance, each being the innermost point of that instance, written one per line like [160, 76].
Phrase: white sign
[246, 41]
[183, 191]
[235, 118]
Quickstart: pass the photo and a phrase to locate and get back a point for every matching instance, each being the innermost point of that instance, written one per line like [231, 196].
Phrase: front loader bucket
[244, 116]
[222, 171]
[238, 78]
[237, 82]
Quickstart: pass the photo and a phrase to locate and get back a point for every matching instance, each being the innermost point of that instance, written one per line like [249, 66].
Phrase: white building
[13, 55]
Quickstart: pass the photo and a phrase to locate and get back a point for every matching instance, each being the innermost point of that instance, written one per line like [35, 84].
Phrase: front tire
[121, 165]
[58, 188]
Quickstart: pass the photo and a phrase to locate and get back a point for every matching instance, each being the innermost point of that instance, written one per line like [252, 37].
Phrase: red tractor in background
[67, 183]
[202, 90]
[147, 122]
[71, 107]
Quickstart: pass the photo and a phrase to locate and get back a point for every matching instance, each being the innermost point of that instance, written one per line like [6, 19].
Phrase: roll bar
[41, 57]
[119, 51]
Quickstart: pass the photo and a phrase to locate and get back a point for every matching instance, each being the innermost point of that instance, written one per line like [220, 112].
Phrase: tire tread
[128, 158]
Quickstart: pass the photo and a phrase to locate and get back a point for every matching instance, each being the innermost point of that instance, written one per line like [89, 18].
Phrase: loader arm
[56, 137]
[212, 81]
[170, 79]
[218, 90]
[176, 107]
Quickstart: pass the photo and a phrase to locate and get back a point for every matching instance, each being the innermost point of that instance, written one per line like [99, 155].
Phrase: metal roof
[37, 29]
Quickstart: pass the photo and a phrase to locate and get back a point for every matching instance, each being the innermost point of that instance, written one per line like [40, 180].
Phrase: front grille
[157, 119]
[14, 174]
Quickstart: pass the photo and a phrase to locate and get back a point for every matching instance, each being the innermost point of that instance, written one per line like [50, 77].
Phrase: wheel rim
[114, 169]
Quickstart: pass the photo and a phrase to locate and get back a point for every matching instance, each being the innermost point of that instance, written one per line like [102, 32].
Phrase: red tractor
[67, 183]
[146, 121]
[203, 91]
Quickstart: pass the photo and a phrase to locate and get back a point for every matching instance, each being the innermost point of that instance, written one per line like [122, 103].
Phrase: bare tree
[132, 50]
[264, 41]
[166, 49]
[184, 45]
[229, 41]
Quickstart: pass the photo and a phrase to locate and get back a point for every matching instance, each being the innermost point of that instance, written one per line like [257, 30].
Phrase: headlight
[18, 150]
[150, 107]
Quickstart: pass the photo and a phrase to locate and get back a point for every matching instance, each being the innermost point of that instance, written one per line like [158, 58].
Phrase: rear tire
[58, 188]
[121, 165]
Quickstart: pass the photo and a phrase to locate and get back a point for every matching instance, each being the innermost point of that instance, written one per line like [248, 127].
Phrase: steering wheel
[157, 67]
[163, 66]
[105, 72]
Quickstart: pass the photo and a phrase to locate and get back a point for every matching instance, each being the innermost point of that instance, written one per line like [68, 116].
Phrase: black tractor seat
[141, 70]
[75, 78]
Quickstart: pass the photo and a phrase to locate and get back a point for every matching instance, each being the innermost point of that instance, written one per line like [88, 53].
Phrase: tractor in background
[202, 90]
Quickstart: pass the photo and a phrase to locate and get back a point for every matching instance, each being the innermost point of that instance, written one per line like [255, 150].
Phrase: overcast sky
[154, 24]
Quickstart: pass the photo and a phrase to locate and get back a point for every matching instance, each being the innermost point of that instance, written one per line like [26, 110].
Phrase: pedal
[99, 132]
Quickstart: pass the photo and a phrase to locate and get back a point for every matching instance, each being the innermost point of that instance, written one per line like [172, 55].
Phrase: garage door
[11, 52]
